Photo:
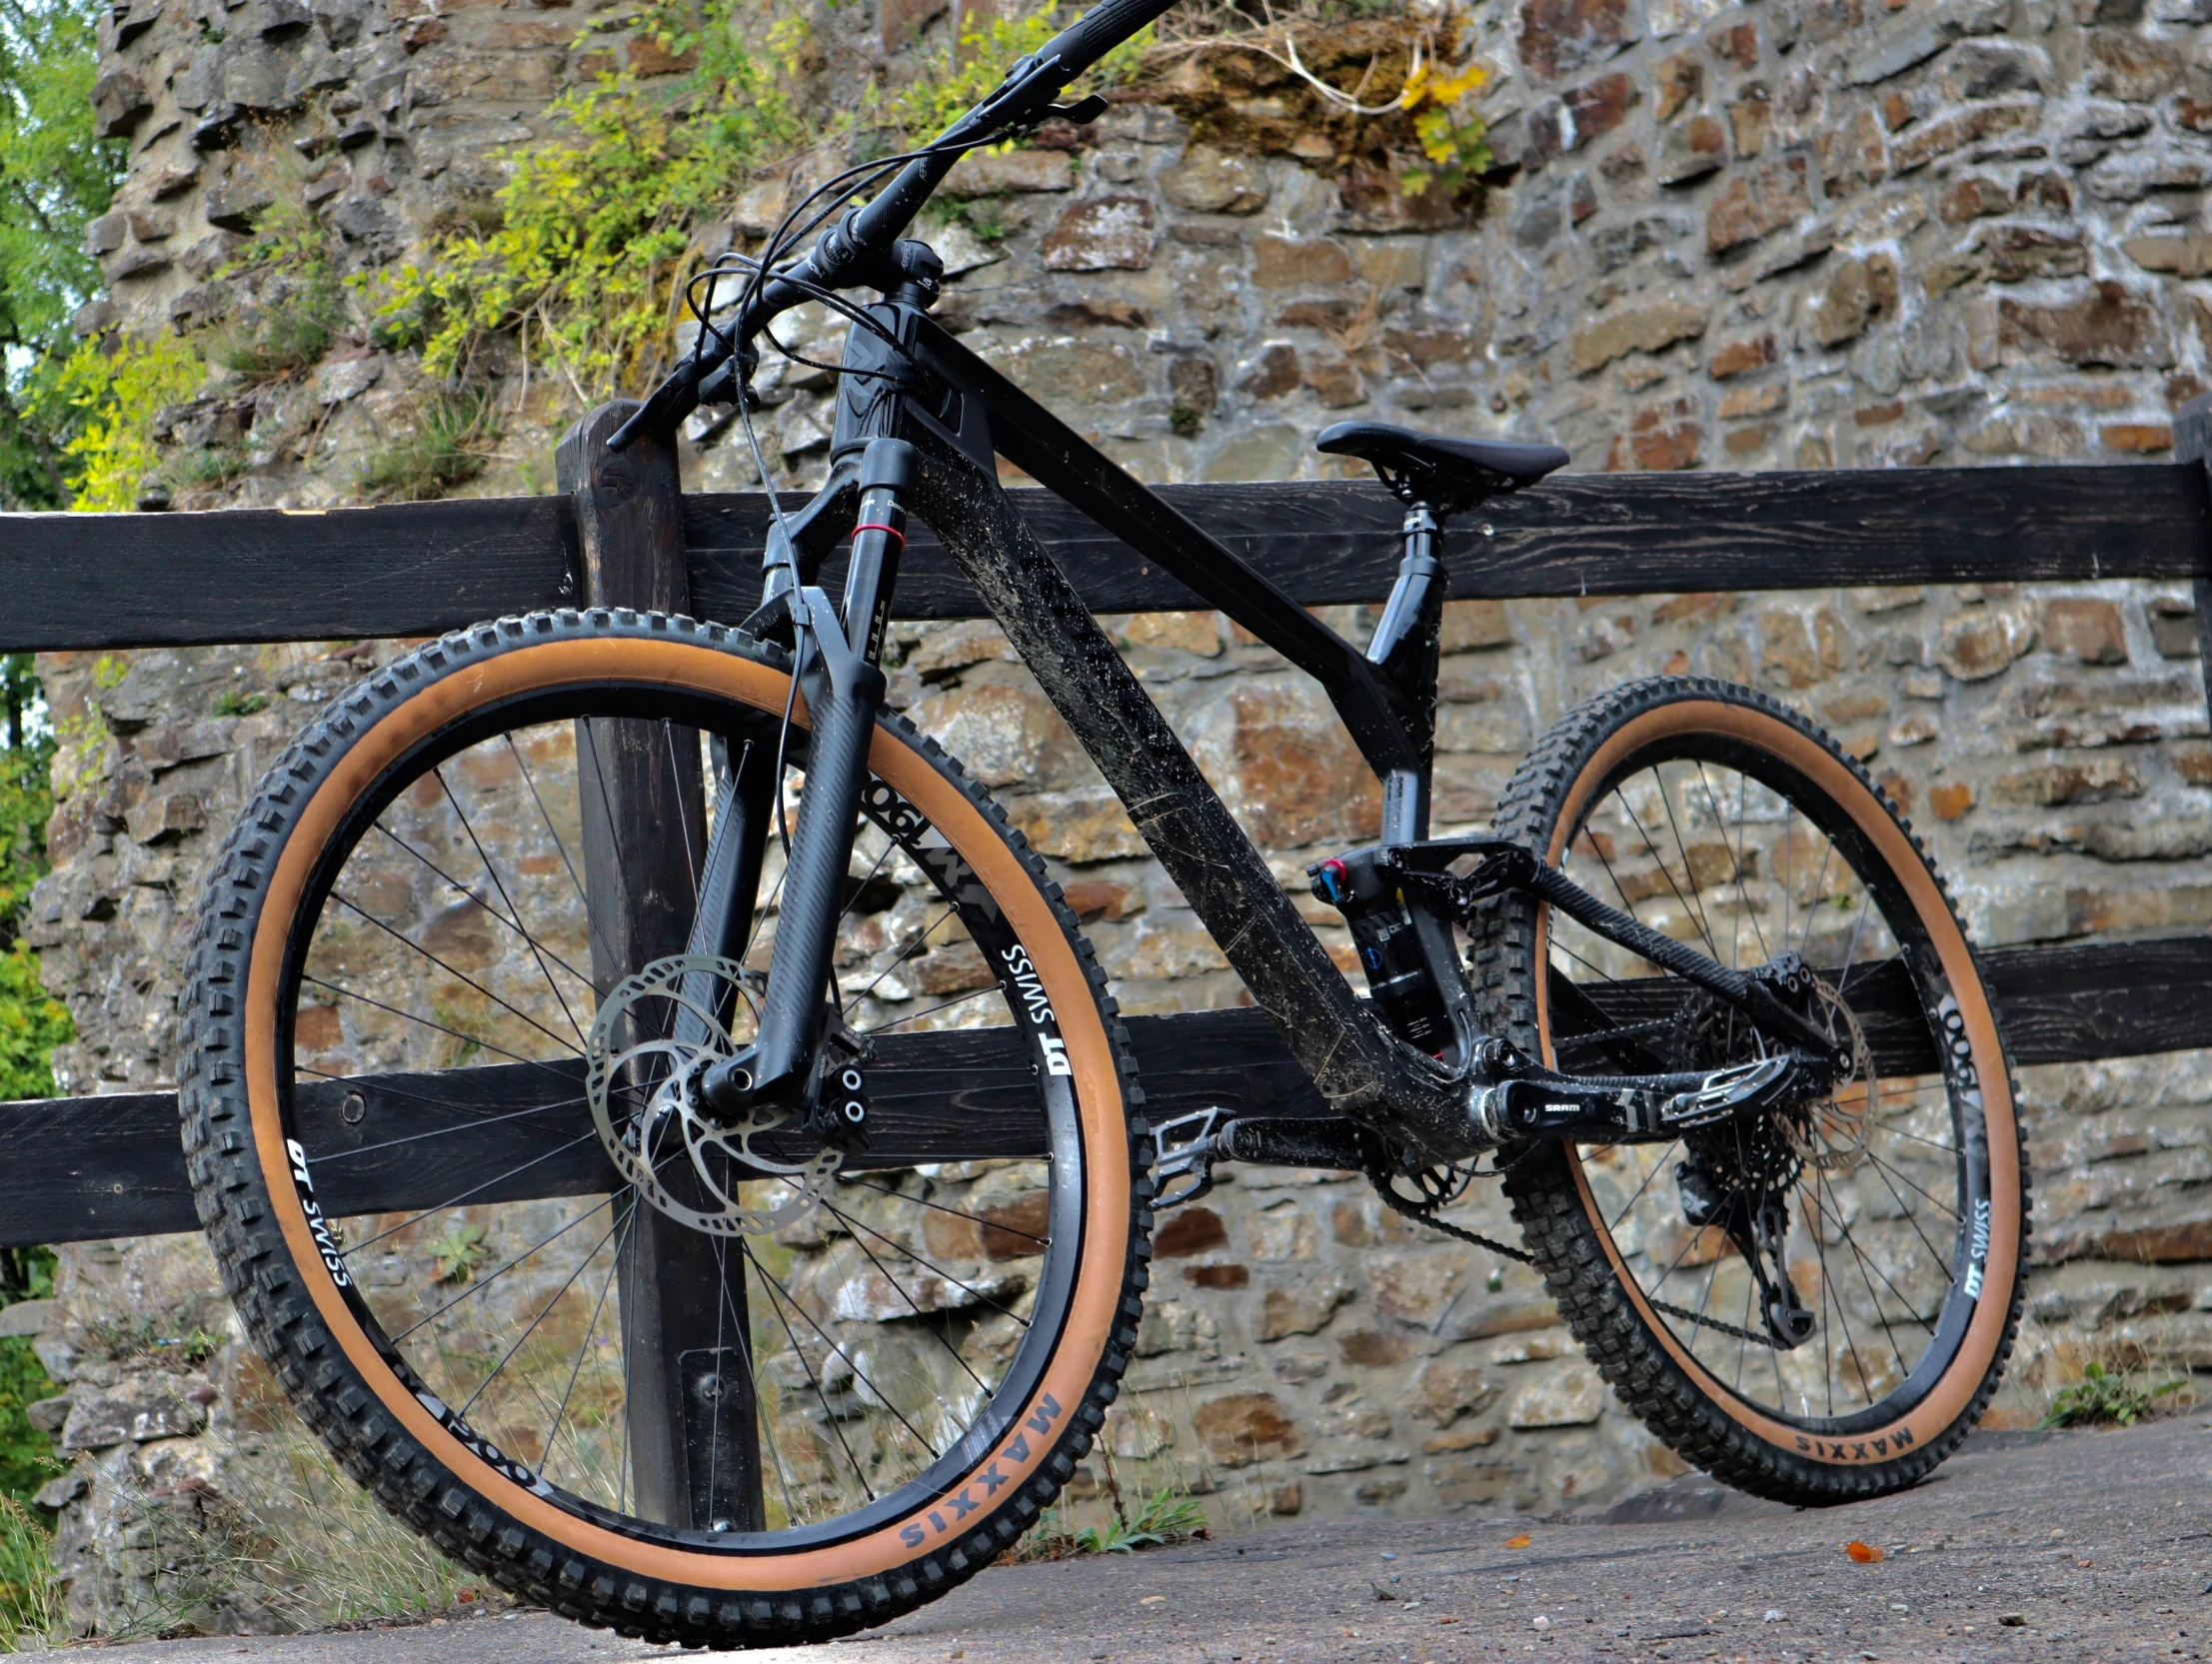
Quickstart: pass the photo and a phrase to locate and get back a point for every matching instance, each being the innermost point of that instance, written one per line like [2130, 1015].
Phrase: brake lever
[1081, 112]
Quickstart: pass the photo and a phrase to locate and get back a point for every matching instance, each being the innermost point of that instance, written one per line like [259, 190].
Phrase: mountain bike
[836, 1090]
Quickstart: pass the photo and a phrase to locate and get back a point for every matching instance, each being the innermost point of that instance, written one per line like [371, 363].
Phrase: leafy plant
[56, 177]
[1168, 1516]
[444, 449]
[30, 1589]
[107, 396]
[304, 307]
[459, 1253]
[2104, 1397]
[1451, 138]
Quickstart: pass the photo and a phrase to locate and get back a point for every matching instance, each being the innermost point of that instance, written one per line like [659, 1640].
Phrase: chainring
[642, 1082]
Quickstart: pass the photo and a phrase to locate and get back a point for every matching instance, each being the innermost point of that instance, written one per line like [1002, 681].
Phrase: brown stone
[1416, 1285]
[1971, 197]
[1444, 1389]
[1950, 800]
[1733, 358]
[1648, 329]
[1754, 205]
[647, 56]
[1208, 181]
[1188, 1230]
[1475, 623]
[119, 103]
[1558, 37]
[1878, 415]
[2186, 256]
[1372, 1349]
[1092, 899]
[1104, 234]
[2094, 779]
[2188, 1242]
[1298, 262]
[1185, 632]
[1423, 349]
[1600, 105]
[1737, 44]
[1216, 1276]
[1091, 312]
[2017, 253]
[1665, 436]
[1955, 132]
[1288, 768]
[1272, 373]
[1336, 381]
[984, 173]
[1860, 292]
[898, 21]
[2110, 326]
[1303, 1308]
[1246, 1427]
[2131, 67]
[1675, 81]
[1749, 118]
[2089, 629]
[1692, 150]
[1979, 644]
[1753, 400]
[1077, 827]
[1459, 1438]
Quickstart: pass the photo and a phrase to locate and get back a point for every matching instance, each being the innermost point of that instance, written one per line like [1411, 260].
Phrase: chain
[1414, 1212]
[1699, 1321]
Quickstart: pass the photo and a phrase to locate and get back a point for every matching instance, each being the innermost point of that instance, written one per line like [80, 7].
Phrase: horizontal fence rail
[416, 569]
[85, 1168]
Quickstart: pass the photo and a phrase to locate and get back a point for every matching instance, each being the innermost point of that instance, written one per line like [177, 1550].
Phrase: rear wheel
[1884, 1222]
[699, 1383]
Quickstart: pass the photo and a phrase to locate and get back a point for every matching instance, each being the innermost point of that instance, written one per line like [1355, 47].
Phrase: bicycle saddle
[1448, 474]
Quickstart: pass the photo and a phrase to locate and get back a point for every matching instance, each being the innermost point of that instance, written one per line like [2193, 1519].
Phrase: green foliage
[303, 306]
[55, 177]
[1166, 1516]
[444, 449]
[30, 1589]
[591, 228]
[2104, 1397]
[459, 1253]
[106, 395]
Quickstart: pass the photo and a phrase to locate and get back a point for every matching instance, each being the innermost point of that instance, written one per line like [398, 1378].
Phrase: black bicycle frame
[921, 422]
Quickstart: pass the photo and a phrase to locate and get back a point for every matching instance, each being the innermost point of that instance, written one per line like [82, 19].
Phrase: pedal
[1188, 1146]
[1729, 1091]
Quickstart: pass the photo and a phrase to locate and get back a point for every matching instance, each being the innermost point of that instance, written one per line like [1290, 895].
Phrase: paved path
[2028, 1547]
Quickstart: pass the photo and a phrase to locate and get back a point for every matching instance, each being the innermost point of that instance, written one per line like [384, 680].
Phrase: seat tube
[1405, 646]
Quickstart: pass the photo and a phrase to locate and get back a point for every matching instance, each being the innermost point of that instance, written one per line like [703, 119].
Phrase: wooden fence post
[2193, 444]
[693, 1437]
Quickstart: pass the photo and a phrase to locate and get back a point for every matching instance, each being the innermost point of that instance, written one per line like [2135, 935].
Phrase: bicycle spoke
[531, 1329]
[812, 1380]
[492, 873]
[455, 883]
[477, 1285]
[467, 981]
[559, 1414]
[473, 1190]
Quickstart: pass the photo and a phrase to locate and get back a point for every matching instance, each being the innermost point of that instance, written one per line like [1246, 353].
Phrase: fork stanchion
[693, 1434]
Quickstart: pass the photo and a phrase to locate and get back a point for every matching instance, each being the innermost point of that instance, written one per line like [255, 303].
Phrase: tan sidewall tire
[1561, 1217]
[471, 1505]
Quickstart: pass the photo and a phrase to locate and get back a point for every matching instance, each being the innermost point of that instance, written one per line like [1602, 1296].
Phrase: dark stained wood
[1328, 542]
[257, 575]
[75, 1169]
[695, 1458]
[270, 575]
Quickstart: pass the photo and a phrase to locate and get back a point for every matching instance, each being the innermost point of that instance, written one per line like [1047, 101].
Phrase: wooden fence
[620, 534]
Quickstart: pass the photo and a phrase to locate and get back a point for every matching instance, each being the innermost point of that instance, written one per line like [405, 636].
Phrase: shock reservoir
[1384, 932]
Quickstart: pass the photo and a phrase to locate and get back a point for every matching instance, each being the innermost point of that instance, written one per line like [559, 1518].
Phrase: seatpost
[1404, 648]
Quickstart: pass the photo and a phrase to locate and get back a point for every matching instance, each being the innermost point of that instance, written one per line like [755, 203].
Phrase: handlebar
[850, 252]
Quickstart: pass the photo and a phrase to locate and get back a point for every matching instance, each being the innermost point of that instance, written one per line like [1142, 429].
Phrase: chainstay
[1696, 1320]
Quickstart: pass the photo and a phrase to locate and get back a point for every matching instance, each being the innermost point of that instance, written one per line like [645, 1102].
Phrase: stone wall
[1795, 233]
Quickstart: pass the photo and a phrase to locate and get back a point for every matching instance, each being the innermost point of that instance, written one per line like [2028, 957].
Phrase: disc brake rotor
[654, 1039]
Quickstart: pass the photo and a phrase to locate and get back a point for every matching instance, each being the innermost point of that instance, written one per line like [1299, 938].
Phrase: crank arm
[1190, 1145]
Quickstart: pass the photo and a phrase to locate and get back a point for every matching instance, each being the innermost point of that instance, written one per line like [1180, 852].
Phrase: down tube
[1359, 1068]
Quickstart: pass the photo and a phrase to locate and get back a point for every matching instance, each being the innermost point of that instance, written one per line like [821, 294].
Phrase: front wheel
[1815, 1301]
[696, 1382]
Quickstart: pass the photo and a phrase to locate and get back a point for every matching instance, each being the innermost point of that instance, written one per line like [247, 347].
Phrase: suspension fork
[844, 690]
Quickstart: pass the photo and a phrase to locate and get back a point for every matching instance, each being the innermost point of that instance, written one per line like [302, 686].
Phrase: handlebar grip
[1099, 31]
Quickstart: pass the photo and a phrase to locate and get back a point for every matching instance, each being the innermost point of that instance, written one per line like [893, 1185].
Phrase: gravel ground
[2026, 1546]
